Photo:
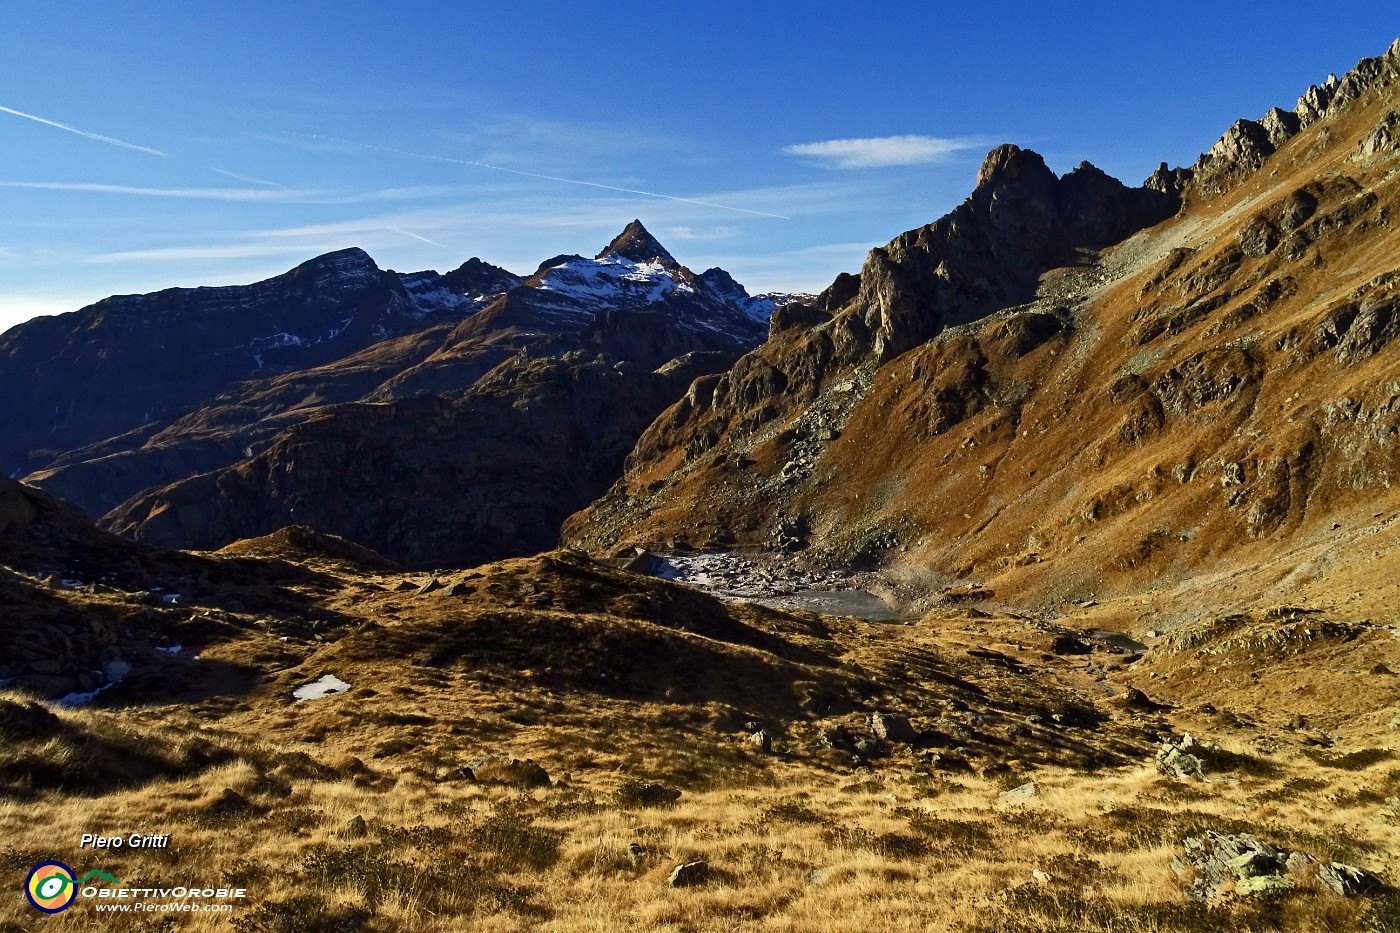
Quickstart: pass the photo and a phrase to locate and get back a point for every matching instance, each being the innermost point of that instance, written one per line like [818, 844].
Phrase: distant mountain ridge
[134, 360]
[620, 336]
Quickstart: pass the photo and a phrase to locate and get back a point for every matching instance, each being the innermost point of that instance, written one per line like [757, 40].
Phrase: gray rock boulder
[689, 874]
[1216, 865]
[1347, 880]
[1018, 794]
[1380, 141]
[1176, 759]
[892, 728]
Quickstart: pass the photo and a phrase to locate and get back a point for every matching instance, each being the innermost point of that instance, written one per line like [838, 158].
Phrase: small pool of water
[1119, 640]
[856, 603]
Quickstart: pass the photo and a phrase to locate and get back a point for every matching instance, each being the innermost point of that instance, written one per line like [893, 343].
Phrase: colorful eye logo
[50, 887]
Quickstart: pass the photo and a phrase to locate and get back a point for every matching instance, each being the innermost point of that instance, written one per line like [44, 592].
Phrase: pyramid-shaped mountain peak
[636, 243]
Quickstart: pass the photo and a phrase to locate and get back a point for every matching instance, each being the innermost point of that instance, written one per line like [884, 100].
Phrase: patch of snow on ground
[317, 689]
[173, 649]
[115, 671]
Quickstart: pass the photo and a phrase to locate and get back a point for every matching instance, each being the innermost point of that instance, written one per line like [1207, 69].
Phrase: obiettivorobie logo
[52, 888]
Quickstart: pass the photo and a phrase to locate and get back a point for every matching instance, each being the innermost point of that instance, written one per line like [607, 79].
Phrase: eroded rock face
[988, 253]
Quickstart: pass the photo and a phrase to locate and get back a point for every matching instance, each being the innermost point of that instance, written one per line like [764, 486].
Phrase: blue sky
[214, 143]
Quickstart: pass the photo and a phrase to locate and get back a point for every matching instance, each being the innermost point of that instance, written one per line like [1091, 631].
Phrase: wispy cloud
[879, 151]
[557, 178]
[199, 194]
[682, 232]
[199, 253]
[247, 178]
[269, 195]
[109, 140]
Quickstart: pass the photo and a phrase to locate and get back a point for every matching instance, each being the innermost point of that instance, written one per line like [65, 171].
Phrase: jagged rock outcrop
[1248, 144]
[989, 252]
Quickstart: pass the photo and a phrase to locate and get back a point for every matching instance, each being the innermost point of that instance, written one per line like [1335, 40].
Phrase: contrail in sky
[248, 178]
[71, 129]
[567, 181]
[410, 233]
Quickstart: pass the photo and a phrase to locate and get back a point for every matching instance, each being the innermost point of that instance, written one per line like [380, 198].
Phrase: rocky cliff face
[1018, 393]
[465, 443]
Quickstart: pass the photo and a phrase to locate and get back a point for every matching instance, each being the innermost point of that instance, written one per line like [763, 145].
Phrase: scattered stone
[636, 854]
[641, 561]
[498, 769]
[689, 874]
[457, 589]
[355, 827]
[1040, 876]
[1136, 699]
[1175, 759]
[892, 728]
[403, 586]
[763, 740]
[228, 802]
[822, 875]
[1025, 792]
[428, 587]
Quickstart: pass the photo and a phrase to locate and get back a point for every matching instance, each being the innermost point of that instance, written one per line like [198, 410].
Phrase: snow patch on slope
[612, 280]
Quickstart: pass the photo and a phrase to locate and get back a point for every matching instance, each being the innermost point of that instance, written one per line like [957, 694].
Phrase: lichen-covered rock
[1216, 865]
[892, 728]
[1175, 759]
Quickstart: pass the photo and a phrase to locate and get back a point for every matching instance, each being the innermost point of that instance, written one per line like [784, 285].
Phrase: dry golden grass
[811, 849]
[260, 792]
